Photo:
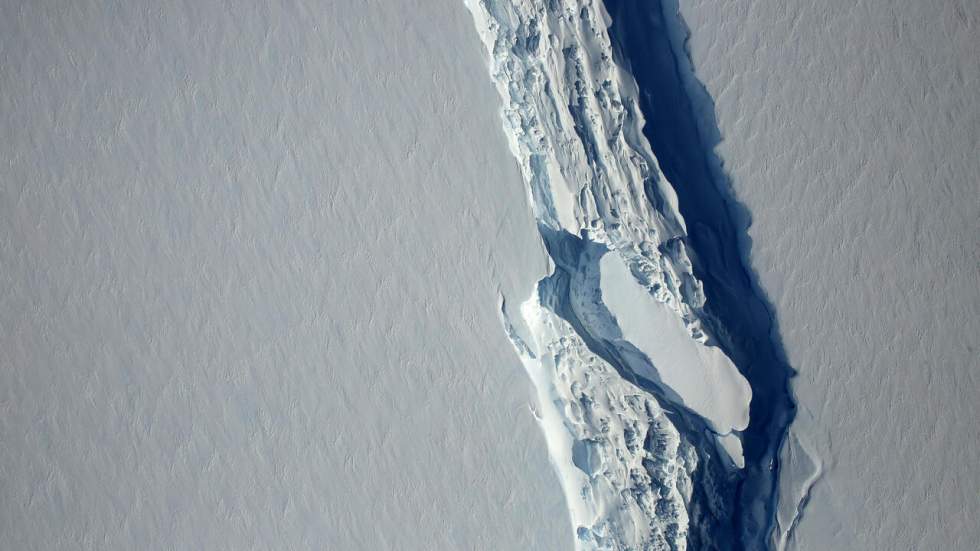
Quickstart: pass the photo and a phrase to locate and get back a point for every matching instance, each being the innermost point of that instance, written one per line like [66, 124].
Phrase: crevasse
[640, 409]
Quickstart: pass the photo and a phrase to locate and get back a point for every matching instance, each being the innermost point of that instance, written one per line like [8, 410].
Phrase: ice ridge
[642, 426]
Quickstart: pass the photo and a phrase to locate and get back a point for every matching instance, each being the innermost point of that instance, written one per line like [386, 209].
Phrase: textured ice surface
[851, 132]
[622, 464]
[249, 262]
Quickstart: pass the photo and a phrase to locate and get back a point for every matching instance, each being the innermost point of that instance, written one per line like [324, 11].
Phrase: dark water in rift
[729, 511]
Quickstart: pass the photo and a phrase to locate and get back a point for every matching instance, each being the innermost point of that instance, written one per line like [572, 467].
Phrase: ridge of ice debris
[575, 129]
[572, 121]
[623, 467]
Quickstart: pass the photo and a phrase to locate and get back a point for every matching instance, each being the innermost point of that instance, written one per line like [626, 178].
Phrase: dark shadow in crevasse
[650, 40]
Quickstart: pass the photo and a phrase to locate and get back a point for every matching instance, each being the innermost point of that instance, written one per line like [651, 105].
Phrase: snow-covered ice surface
[851, 133]
[250, 256]
[255, 259]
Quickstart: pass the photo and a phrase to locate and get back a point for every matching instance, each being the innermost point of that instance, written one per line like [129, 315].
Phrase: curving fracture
[640, 407]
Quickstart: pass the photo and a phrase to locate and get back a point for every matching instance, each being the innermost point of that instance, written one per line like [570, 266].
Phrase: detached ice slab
[702, 376]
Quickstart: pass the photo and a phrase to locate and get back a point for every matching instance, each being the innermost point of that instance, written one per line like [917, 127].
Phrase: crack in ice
[636, 474]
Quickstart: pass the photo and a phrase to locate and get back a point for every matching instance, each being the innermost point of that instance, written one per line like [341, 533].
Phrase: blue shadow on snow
[650, 40]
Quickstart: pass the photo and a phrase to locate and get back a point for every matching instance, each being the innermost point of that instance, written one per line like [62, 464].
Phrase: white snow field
[250, 256]
[852, 134]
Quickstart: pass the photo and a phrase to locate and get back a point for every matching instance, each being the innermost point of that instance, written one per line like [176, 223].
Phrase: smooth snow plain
[851, 133]
[250, 260]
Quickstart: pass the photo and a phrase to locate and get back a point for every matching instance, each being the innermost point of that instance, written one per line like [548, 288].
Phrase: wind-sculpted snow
[642, 425]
